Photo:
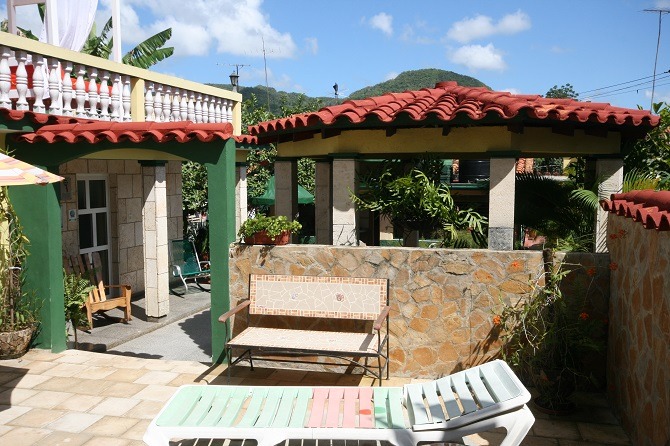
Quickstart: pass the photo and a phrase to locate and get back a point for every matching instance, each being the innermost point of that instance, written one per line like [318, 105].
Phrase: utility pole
[658, 44]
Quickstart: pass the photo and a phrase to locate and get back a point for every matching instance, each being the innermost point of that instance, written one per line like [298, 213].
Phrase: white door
[93, 210]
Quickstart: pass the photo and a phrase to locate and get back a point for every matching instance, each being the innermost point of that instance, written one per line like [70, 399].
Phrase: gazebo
[449, 121]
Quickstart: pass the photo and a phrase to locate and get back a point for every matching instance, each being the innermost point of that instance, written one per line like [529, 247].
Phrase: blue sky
[519, 46]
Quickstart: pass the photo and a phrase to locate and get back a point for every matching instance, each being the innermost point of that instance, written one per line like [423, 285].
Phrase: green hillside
[407, 80]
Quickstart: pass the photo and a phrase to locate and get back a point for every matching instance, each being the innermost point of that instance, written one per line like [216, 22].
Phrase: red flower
[496, 320]
[584, 316]
[613, 266]
[591, 272]
[622, 233]
[514, 264]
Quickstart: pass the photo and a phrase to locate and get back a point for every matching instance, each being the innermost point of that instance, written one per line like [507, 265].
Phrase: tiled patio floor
[85, 398]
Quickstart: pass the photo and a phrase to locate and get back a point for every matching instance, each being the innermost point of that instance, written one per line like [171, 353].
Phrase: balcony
[47, 79]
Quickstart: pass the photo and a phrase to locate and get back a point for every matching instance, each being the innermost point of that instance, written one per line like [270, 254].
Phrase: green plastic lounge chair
[472, 401]
[186, 265]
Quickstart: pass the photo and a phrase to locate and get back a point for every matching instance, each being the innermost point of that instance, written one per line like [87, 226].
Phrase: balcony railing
[46, 79]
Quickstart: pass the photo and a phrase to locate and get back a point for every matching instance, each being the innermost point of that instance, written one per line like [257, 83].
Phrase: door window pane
[81, 194]
[98, 193]
[85, 231]
[101, 228]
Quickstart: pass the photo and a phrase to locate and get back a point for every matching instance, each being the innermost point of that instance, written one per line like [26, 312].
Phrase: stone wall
[639, 334]
[442, 301]
[126, 200]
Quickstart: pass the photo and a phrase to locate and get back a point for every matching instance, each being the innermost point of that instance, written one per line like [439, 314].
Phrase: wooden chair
[98, 299]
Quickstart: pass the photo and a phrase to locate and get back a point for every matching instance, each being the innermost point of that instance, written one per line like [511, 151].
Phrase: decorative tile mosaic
[331, 297]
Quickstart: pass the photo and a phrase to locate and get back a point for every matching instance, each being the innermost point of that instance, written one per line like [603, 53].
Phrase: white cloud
[481, 26]
[391, 75]
[312, 45]
[198, 26]
[477, 57]
[558, 50]
[383, 22]
[512, 90]
[662, 4]
[27, 17]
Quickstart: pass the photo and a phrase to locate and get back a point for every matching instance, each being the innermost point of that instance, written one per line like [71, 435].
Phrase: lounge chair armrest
[382, 316]
[225, 316]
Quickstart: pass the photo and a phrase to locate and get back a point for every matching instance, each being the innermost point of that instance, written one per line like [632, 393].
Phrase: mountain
[407, 80]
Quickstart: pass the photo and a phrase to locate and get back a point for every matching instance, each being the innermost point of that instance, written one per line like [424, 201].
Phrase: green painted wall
[40, 216]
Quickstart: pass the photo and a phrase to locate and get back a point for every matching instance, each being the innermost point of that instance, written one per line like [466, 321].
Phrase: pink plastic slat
[334, 400]
[350, 397]
[318, 405]
[366, 408]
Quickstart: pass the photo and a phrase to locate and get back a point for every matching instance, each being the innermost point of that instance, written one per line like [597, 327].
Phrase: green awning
[268, 197]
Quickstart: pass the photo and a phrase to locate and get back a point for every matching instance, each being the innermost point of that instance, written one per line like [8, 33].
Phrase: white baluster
[104, 97]
[158, 104]
[80, 92]
[212, 110]
[93, 95]
[167, 102]
[127, 116]
[183, 106]
[56, 107]
[5, 77]
[67, 90]
[229, 111]
[217, 111]
[198, 109]
[149, 103]
[116, 98]
[38, 84]
[205, 109]
[191, 107]
[175, 105]
[21, 81]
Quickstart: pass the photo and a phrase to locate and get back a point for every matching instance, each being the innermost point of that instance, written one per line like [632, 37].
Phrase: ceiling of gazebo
[457, 120]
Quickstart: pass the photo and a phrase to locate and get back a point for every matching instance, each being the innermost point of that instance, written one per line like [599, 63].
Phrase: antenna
[336, 88]
[658, 43]
[265, 65]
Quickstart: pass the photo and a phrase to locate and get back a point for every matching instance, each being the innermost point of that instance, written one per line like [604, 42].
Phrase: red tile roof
[133, 132]
[37, 118]
[448, 101]
[651, 208]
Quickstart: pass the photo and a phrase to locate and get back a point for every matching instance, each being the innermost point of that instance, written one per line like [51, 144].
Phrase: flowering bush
[546, 337]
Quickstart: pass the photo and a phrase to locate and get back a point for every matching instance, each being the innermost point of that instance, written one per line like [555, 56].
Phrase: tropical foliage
[75, 293]
[271, 225]
[651, 155]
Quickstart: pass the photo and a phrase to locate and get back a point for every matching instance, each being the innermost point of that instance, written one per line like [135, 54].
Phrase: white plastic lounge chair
[475, 400]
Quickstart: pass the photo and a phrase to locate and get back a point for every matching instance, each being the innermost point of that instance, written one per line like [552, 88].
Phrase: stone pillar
[345, 228]
[323, 203]
[610, 174]
[240, 195]
[501, 204]
[155, 238]
[286, 188]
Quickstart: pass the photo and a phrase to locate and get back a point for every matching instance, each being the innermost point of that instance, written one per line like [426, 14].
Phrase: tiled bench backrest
[328, 297]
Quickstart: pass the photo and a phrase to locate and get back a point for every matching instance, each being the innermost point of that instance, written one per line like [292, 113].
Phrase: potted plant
[546, 338]
[18, 313]
[75, 292]
[268, 230]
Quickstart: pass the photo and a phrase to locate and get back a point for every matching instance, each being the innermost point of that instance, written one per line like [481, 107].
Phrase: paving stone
[15, 396]
[114, 406]
[57, 384]
[107, 441]
[80, 403]
[23, 436]
[46, 399]
[37, 417]
[96, 372]
[27, 381]
[603, 433]
[146, 410]
[74, 422]
[64, 439]
[137, 432]
[9, 413]
[123, 389]
[155, 393]
[66, 370]
[126, 375]
[156, 377]
[556, 429]
[6, 375]
[111, 426]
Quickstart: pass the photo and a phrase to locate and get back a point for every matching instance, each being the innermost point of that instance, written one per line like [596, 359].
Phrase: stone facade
[639, 335]
[126, 199]
[442, 301]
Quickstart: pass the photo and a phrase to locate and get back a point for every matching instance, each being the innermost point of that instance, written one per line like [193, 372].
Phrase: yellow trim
[137, 99]
[459, 140]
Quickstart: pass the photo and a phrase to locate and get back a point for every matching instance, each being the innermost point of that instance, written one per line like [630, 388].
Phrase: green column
[40, 216]
[221, 215]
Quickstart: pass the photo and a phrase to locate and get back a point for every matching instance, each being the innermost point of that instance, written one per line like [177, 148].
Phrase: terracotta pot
[14, 344]
[262, 238]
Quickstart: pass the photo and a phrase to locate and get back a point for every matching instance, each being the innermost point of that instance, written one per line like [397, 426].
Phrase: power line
[616, 85]
[658, 44]
[628, 88]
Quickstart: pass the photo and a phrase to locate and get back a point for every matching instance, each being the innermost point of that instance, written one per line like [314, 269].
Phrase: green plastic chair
[186, 265]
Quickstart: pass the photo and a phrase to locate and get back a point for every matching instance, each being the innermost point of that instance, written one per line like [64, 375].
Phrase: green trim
[504, 153]
[149, 163]
[351, 156]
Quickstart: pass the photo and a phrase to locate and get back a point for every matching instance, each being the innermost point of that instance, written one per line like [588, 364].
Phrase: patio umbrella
[15, 172]
[268, 197]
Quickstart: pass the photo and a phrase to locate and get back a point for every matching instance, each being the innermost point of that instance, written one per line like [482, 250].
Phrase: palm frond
[150, 52]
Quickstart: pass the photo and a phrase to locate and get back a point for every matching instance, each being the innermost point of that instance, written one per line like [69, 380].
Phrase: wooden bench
[310, 299]
[98, 299]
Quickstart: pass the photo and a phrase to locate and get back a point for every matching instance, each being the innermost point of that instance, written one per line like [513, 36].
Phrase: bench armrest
[380, 319]
[225, 316]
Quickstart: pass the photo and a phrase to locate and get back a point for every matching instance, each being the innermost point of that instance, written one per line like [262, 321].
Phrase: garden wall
[639, 335]
[442, 301]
